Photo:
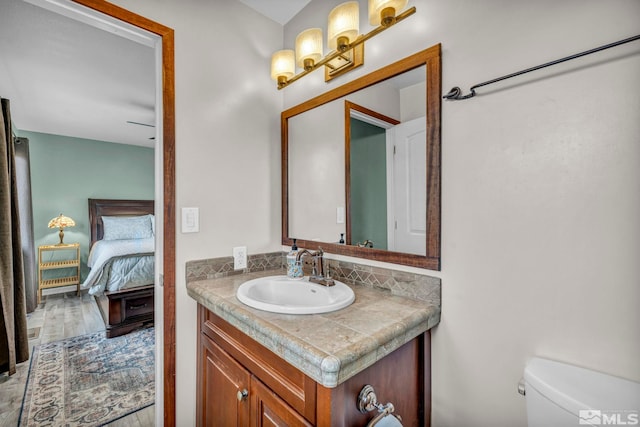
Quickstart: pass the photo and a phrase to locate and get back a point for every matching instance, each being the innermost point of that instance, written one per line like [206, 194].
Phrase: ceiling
[59, 83]
[280, 11]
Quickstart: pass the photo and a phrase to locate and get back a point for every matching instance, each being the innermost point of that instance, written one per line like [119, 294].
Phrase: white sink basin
[279, 294]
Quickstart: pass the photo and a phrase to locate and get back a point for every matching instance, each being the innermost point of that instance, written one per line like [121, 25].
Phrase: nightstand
[64, 256]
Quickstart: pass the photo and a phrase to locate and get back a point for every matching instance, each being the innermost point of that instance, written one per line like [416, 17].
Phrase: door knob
[242, 394]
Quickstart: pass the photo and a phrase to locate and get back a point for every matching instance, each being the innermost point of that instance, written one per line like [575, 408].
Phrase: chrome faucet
[366, 244]
[317, 272]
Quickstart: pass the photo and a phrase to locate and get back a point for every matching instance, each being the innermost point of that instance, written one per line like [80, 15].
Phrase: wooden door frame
[168, 166]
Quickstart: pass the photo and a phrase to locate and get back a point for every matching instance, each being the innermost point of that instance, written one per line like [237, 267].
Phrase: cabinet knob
[242, 394]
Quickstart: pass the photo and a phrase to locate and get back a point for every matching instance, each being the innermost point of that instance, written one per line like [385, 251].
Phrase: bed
[121, 277]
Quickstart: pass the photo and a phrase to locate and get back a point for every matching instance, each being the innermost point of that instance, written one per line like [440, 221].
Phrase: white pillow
[127, 227]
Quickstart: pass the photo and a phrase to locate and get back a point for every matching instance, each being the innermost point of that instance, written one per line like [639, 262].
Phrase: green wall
[66, 171]
[368, 184]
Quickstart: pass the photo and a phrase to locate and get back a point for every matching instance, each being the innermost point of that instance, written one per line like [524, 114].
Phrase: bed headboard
[110, 207]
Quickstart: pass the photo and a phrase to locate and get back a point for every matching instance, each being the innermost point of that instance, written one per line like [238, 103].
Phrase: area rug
[89, 380]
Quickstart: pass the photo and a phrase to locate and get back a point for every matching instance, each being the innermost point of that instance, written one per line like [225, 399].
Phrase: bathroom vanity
[261, 368]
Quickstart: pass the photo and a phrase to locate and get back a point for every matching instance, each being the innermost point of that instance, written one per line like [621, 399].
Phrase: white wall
[412, 103]
[227, 146]
[541, 200]
[540, 179]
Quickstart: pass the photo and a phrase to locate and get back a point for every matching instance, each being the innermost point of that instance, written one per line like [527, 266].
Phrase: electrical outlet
[239, 257]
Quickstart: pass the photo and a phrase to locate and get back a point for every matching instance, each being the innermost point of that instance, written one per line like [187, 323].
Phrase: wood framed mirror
[323, 198]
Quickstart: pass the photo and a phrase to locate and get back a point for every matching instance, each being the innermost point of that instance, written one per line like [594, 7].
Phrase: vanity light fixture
[383, 12]
[344, 25]
[309, 48]
[283, 66]
[343, 38]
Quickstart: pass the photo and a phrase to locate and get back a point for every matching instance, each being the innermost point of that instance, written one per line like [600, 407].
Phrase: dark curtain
[23, 177]
[14, 341]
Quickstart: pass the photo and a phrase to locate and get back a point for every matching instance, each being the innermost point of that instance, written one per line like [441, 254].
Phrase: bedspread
[120, 264]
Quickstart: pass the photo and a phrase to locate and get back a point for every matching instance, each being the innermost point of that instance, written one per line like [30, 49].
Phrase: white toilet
[561, 395]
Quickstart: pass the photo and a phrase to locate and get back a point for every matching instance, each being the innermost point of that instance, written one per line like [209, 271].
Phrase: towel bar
[368, 401]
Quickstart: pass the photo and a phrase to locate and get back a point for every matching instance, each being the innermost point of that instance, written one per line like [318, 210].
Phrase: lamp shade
[61, 222]
[283, 64]
[344, 21]
[309, 47]
[376, 8]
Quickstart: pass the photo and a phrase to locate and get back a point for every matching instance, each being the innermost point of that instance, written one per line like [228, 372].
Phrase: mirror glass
[374, 120]
[360, 177]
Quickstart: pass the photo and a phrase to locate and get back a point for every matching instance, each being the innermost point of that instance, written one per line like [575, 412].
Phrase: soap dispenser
[294, 268]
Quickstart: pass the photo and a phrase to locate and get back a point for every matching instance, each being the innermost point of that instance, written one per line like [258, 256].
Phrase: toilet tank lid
[574, 388]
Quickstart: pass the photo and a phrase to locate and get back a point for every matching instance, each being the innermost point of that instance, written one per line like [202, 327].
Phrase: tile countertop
[330, 347]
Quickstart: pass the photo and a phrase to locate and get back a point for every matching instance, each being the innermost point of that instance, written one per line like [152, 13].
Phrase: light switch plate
[190, 220]
[340, 215]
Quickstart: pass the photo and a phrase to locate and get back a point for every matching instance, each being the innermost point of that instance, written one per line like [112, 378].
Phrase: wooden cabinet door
[221, 380]
[269, 410]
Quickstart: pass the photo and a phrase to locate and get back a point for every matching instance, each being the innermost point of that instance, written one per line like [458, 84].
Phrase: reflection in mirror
[386, 164]
[316, 173]
[368, 177]
[362, 162]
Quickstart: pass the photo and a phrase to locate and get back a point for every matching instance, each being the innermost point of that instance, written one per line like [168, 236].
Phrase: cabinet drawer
[285, 380]
[137, 306]
[129, 304]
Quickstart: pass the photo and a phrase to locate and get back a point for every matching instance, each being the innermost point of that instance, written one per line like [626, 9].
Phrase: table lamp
[61, 222]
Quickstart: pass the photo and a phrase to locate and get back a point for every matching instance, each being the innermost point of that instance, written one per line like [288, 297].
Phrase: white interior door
[409, 196]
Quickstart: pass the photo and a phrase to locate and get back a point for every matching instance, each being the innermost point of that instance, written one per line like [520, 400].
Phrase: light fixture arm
[336, 53]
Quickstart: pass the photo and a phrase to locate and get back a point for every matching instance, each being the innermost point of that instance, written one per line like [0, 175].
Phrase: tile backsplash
[417, 286]
[220, 267]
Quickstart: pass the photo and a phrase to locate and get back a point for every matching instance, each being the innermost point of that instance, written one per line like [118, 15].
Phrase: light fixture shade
[377, 6]
[309, 46]
[344, 21]
[283, 64]
[61, 222]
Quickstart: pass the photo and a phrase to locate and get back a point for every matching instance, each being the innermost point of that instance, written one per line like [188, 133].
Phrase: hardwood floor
[59, 316]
